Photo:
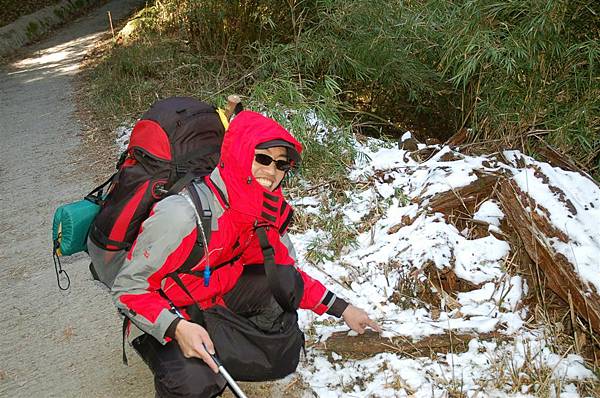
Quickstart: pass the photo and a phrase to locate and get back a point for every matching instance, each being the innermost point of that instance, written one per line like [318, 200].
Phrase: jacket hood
[248, 130]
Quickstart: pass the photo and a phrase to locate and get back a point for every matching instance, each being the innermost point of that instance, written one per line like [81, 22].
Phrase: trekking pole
[232, 384]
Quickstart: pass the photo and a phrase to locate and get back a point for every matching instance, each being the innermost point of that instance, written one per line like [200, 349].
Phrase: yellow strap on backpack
[223, 117]
[234, 105]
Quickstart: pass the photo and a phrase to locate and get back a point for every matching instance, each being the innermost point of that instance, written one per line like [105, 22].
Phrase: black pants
[177, 376]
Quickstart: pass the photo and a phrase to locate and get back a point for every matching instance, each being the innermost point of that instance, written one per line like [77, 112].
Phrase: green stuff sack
[71, 226]
[70, 229]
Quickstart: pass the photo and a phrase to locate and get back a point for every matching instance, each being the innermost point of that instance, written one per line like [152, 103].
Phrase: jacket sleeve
[315, 295]
[161, 246]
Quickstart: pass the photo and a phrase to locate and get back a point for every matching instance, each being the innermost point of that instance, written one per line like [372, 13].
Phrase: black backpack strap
[203, 208]
[287, 220]
[200, 274]
[198, 314]
[97, 194]
[181, 183]
[126, 322]
[97, 236]
[282, 296]
[198, 251]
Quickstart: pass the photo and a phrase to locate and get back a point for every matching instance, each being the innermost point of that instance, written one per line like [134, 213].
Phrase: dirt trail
[55, 344]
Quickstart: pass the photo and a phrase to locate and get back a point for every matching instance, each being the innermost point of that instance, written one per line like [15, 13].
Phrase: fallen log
[458, 138]
[464, 199]
[446, 280]
[371, 343]
[536, 231]
[557, 159]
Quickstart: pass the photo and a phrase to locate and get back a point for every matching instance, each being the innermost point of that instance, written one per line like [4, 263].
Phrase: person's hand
[358, 320]
[194, 342]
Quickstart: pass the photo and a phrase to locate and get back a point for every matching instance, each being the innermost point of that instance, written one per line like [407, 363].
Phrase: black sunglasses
[266, 160]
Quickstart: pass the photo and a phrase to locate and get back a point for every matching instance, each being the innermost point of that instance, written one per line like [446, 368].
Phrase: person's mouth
[265, 182]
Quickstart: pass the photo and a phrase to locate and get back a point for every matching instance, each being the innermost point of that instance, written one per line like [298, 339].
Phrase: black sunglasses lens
[282, 165]
[263, 159]
[266, 160]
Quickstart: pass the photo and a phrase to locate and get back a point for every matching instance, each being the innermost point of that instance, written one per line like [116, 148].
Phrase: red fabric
[129, 162]
[151, 304]
[236, 229]
[247, 196]
[119, 230]
[245, 132]
[148, 135]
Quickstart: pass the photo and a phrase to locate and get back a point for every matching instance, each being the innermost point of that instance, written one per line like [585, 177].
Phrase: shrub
[508, 70]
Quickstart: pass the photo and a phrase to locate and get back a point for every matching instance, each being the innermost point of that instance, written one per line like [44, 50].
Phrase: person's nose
[271, 169]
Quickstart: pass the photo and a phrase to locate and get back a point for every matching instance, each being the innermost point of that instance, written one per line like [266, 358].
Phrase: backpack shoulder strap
[201, 204]
[286, 287]
[183, 182]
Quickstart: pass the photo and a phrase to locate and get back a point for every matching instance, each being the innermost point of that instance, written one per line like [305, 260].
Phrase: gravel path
[55, 344]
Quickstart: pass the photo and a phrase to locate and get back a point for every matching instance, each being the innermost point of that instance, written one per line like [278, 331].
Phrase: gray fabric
[216, 179]
[215, 207]
[287, 242]
[106, 263]
[173, 219]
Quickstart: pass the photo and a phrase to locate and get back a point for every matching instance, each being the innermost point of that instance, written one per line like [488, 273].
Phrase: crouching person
[244, 308]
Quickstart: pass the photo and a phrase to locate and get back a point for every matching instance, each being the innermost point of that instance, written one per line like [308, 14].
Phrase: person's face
[268, 175]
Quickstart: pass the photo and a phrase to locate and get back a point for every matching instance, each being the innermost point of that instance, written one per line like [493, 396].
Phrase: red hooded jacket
[238, 204]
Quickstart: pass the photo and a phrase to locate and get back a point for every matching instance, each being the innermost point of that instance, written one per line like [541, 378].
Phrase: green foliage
[525, 67]
[508, 70]
[367, 49]
[216, 27]
[59, 12]
[131, 78]
[335, 237]
[32, 30]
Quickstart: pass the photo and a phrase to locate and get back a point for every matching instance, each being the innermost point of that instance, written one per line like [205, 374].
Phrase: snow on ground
[403, 241]
[572, 202]
[387, 255]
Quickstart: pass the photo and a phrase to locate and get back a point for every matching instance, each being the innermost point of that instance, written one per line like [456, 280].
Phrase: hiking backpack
[177, 137]
[176, 140]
